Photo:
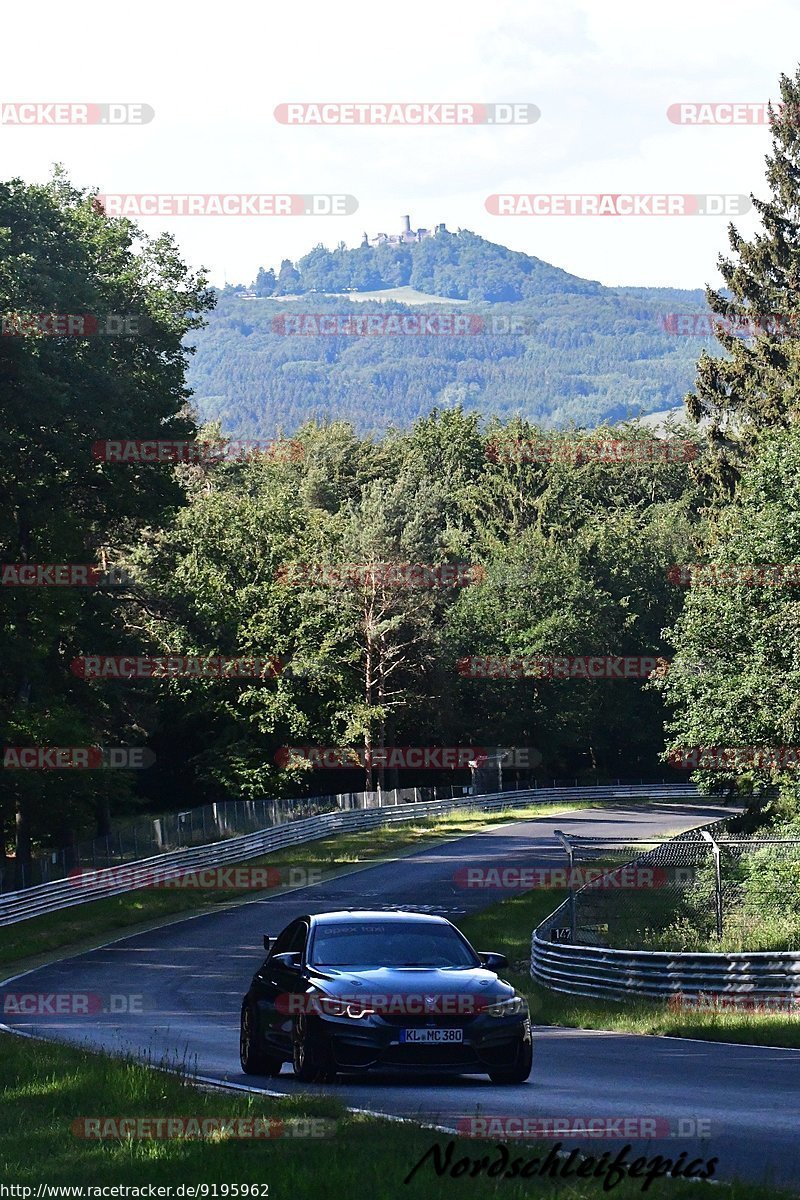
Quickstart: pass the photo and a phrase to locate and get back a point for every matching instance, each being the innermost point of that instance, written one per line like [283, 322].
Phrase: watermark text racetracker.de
[227, 204]
[451, 112]
[205, 879]
[410, 758]
[734, 574]
[539, 667]
[711, 325]
[76, 325]
[38, 112]
[734, 758]
[508, 1128]
[781, 1003]
[615, 204]
[77, 758]
[357, 1005]
[416, 324]
[603, 450]
[63, 575]
[137, 450]
[527, 879]
[729, 112]
[171, 666]
[142, 1128]
[72, 1004]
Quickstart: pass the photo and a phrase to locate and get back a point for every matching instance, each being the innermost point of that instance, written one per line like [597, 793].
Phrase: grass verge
[46, 1087]
[508, 926]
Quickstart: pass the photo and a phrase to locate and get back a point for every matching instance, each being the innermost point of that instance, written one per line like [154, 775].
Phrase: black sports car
[392, 991]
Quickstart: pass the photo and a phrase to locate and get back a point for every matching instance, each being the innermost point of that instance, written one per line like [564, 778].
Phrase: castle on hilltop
[407, 236]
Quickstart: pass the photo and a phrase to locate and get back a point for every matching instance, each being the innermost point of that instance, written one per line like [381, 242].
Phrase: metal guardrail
[620, 974]
[581, 969]
[66, 893]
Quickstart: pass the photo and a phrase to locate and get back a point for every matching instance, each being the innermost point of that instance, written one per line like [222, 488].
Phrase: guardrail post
[717, 879]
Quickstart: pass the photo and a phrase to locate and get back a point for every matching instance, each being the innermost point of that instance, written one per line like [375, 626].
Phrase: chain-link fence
[708, 889]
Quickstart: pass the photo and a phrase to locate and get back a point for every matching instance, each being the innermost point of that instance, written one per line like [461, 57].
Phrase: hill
[532, 340]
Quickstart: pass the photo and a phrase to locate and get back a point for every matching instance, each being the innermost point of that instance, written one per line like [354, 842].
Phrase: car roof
[357, 915]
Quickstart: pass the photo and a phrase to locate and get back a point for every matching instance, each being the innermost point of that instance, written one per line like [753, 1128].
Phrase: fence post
[717, 879]
[562, 837]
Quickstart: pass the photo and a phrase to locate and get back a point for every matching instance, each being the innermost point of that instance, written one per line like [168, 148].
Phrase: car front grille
[412, 1054]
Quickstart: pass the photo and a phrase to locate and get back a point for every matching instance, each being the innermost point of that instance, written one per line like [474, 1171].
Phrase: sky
[602, 75]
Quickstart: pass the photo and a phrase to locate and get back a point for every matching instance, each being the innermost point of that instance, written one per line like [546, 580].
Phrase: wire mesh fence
[708, 889]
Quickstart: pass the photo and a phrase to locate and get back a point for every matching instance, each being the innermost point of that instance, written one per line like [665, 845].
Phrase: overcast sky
[603, 75]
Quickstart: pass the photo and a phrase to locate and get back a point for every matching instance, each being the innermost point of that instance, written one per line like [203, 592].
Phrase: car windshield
[390, 944]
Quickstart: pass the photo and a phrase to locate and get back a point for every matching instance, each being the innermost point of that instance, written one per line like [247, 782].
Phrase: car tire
[521, 1068]
[312, 1059]
[253, 1057]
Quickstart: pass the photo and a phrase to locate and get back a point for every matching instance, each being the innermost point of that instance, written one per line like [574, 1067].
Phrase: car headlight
[334, 1006]
[515, 1006]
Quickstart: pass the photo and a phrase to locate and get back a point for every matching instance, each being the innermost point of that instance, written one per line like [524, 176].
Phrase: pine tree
[757, 386]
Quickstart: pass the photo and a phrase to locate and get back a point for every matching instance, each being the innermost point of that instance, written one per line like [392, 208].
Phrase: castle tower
[406, 224]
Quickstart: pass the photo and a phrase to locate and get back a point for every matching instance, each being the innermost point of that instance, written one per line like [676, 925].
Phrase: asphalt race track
[191, 976]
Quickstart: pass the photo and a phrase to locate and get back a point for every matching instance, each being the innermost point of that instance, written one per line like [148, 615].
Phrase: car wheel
[521, 1068]
[311, 1057]
[253, 1057]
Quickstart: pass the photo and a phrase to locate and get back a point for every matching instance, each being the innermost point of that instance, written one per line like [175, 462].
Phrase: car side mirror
[492, 960]
[268, 941]
[289, 960]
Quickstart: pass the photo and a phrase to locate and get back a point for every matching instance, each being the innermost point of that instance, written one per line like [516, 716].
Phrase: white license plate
[431, 1035]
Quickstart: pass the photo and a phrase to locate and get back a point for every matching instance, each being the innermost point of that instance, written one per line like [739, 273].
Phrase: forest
[354, 571]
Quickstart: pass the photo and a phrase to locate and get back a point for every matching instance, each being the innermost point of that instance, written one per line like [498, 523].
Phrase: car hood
[403, 981]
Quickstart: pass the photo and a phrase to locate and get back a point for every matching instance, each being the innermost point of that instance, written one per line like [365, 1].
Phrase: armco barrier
[63, 893]
[607, 973]
[622, 974]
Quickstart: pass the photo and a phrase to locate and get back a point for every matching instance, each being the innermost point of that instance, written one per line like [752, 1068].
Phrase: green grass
[44, 1087]
[90, 924]
[508, 926]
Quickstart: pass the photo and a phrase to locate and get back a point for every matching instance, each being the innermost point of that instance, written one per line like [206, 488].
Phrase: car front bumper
[372, 1044]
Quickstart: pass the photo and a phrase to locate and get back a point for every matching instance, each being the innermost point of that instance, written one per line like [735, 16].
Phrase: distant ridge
[459, 266]
[547, 345]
